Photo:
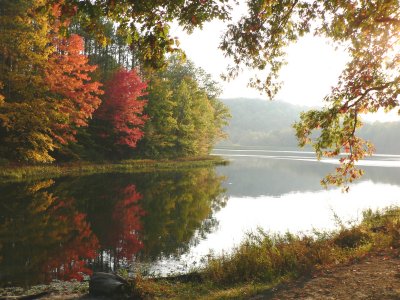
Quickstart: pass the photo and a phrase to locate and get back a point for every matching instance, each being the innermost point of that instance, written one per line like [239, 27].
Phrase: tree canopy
[146, 24]
[186, 118]
[122, 111]
[46, 82]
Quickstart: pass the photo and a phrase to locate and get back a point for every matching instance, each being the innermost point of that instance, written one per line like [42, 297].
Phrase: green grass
[24, 172]
[263, 260]
[205, 290]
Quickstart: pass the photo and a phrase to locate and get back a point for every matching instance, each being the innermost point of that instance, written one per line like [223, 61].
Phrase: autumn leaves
[66, 95]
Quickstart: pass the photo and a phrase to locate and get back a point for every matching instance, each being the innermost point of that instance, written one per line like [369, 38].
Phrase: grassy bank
[22, 172]
[264, 260]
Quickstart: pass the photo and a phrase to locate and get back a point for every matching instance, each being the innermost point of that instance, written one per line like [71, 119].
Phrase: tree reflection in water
[67, 227]
[121, 240]
[43, 236]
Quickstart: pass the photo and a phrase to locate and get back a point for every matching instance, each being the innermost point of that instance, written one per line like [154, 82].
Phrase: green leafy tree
[185, 116]
[370, 80]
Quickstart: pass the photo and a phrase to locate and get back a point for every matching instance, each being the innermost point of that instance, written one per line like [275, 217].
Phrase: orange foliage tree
[69, 81]
[47, 89]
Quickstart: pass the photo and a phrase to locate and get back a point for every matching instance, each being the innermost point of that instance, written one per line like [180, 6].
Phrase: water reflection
[42, 236]
[65, 228]
[297, 212]
[252, 175]
[120, 230]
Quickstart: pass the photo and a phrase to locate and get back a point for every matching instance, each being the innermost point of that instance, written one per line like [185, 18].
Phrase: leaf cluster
[146, 24]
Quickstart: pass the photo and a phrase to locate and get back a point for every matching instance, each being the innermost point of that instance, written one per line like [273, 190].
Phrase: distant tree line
[270, 123]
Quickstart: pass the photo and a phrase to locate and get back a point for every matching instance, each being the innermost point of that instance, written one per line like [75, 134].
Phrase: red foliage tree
[76, 97]
[123, 109]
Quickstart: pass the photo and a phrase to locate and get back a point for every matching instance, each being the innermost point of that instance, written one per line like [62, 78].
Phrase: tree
[145, 24]
[46, 88]
[109, 58]
[48, 93]
[24, 51]
[122, 110]
[186, 118]
[67, 75]
[370, 80]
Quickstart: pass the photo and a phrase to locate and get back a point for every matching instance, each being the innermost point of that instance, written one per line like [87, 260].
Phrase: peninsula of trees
[67, 93]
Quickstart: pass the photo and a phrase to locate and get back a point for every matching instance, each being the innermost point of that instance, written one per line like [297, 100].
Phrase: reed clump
[265, 257]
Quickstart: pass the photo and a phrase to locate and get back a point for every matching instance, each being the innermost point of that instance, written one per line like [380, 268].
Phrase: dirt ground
[375, 277]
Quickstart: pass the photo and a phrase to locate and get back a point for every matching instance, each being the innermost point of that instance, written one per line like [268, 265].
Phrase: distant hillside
[258, 122]
[385, 136]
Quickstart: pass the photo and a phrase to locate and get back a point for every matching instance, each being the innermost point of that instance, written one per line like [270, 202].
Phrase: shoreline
[11, 173]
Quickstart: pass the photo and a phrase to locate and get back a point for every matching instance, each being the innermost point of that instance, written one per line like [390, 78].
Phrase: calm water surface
[166, 222]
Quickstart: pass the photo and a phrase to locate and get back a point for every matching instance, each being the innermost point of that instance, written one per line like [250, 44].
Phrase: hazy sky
[313, 67]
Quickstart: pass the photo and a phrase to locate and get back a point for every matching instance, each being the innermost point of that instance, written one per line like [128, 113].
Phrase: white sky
[313, 68]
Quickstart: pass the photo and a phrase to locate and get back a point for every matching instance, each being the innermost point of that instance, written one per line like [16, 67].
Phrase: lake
[166, 222]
